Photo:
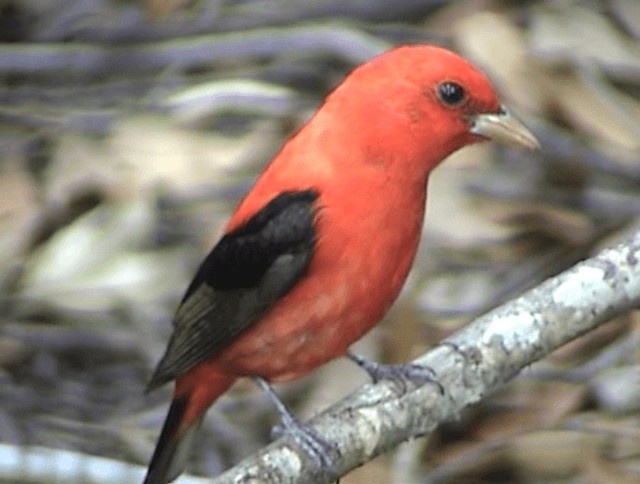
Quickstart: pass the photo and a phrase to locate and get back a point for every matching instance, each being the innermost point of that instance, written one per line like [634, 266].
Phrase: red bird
[320, 247]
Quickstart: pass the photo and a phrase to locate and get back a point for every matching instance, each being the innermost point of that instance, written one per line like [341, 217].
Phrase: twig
[582, 374]
[471, 364]
[200, 101]
[44, 465]
[268, 12]
[339, 40]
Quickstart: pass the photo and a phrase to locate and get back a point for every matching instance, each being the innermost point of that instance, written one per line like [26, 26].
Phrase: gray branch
[470, 364]
[334, 39]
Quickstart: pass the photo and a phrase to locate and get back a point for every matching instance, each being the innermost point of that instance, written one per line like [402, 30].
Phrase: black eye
[451, 94]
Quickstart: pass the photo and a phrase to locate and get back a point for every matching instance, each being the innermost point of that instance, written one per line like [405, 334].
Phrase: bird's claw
[310, 441]
[399, 374]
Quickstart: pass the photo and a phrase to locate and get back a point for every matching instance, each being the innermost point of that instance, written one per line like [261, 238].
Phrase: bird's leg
[306, 437]
[399, 374]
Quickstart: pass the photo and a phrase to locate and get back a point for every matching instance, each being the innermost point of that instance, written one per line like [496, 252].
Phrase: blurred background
[130, 129]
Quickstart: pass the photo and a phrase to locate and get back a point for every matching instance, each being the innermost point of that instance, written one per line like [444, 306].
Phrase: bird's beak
[504, 128]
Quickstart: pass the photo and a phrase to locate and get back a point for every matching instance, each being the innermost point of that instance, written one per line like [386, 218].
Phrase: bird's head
[421, 103]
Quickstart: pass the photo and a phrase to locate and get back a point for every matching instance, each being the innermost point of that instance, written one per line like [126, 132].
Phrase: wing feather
[246, 272]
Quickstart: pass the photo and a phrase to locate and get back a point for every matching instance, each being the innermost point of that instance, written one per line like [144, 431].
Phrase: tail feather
[172, 451]
[195, 392]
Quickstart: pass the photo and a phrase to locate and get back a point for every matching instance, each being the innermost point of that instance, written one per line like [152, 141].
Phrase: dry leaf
[20, 208]
[98, 261]
[563, 32]
[494, 42]
[555, 453]
[588, 109]
[617, 390]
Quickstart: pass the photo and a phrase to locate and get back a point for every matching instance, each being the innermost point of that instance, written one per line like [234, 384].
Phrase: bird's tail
[181, 425]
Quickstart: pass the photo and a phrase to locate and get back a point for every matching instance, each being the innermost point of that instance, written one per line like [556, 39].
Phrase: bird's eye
[451, 93]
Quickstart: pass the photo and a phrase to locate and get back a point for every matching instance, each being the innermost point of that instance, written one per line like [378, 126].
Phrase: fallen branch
[45, 465]
[470, 364]
[334, 39]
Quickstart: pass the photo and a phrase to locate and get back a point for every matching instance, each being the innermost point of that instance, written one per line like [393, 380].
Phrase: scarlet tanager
[320, 247]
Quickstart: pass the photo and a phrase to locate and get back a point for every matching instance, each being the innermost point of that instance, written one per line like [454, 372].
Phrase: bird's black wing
[246, 272]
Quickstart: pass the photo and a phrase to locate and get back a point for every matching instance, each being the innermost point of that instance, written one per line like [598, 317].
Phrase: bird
[321, 245]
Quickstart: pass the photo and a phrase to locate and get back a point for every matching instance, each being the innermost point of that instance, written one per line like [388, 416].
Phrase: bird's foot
[310, 441]
[399, 374]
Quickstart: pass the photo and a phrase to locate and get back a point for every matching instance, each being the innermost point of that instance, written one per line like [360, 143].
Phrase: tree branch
[470, 364]
[79, 58]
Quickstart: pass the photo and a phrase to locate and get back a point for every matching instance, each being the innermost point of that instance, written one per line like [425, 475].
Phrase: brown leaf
[494, 41]
[555, 453]
[561, 33]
